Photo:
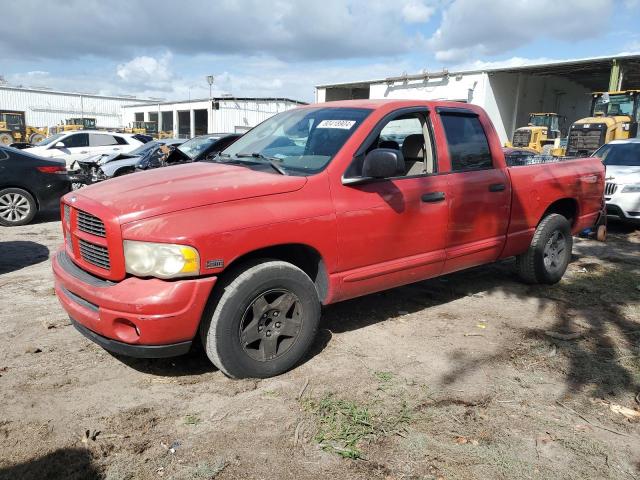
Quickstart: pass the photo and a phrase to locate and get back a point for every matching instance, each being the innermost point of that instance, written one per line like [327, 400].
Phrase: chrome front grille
[94, 254]
[610, 189]
[90, 224]
[67, 213]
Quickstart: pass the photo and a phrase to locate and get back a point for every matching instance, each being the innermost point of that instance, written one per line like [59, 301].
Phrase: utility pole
[210, 79]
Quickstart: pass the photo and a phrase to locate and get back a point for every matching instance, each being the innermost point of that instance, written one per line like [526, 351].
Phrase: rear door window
[468, 145]
[102, 140]
[76, 140]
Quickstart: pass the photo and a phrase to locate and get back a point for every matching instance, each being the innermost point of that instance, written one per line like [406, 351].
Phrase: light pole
[210, 79]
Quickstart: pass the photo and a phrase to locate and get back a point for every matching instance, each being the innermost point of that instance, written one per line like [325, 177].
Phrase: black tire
[6, 139]
[36, 138]
[543, 262]
[250, 297]
[17, 207]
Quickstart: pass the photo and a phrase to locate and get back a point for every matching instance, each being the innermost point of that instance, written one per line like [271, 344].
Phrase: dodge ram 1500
[315, 205]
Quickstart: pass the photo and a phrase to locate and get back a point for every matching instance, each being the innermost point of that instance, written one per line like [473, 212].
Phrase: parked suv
[622, 188]
[72, 146]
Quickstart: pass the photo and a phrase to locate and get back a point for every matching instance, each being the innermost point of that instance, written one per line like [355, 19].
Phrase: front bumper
[137, 317]
[625, 206]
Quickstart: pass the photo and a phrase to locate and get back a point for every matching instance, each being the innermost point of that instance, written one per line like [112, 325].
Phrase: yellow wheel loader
[542, 134]
[13, 129]
[72, 124]
[143, 128]
[614, 116]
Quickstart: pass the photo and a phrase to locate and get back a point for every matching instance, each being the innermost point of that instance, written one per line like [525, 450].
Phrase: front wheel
[261, 320]
[548, 256]
[17, 207]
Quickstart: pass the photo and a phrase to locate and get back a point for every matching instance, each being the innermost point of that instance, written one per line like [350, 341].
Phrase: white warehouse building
[46, 108]
[508, 94]
[198, 117]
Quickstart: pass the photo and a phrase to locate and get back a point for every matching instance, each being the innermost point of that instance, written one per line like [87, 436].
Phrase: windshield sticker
[342, 124]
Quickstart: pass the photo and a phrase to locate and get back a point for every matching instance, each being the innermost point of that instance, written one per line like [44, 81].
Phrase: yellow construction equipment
[14, 129]
[542, 134]
[143, 128]
[72, 124]
[614, 116]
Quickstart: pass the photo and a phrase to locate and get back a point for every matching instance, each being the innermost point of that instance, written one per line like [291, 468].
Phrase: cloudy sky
[159, 48]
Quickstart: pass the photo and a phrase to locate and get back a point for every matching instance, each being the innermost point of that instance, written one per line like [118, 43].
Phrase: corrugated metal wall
[241, 115]
[44, 108]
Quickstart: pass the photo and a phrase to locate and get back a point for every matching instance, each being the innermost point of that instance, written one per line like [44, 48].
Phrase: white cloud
[146, 70]
[289, 30]
[415, 11]
[472, 28]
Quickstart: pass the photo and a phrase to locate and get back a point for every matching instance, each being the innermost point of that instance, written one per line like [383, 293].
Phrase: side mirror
[383, 163]
[59, 145]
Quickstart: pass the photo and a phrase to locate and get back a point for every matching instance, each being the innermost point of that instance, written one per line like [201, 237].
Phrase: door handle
[84, 151]
[433, 197]
[497, 187]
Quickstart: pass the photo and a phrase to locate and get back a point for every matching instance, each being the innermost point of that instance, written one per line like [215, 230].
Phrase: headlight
[635, 188]
[162, 260]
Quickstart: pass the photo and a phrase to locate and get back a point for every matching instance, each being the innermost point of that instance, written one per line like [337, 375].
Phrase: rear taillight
[59, 170]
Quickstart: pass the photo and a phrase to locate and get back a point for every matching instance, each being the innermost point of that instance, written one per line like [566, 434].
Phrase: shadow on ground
[63, 464]
[18, 254]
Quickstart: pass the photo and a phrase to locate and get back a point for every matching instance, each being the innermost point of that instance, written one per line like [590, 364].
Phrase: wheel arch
[567, 207]
[303, 256]
[26, 189]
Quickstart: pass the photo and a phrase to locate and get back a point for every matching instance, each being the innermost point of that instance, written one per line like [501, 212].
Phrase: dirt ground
[470, 376]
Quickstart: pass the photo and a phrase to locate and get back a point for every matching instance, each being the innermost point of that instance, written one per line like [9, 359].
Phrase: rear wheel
[548, 256]
[6, 139]
[261, 320]
[17, 207]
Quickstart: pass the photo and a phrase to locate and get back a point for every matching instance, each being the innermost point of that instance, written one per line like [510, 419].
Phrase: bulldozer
[542, 134]
[614, 116]
[13, 128]
[72, 124]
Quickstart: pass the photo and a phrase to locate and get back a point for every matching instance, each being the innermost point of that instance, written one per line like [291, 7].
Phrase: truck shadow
[62, 464]
[18, 254]
[595, 305]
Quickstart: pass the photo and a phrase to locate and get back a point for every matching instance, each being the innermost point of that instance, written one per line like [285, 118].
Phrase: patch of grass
[192, 419]
[605, 284]
[209, 470]
[343, 426]
[384, 377]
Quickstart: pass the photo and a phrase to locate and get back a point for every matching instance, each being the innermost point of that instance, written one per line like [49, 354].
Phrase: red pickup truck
[316, 205]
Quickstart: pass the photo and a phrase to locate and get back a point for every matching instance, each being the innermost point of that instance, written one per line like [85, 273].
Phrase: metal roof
[230, 99]
[593, 72]
[77, 94]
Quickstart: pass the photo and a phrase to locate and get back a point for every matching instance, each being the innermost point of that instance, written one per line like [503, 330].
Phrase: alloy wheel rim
[555, 252]
[14, 207]
[271, 324]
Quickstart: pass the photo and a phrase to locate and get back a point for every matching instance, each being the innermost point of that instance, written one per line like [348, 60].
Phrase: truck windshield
[621, 154]
[303, 140]
[619, 104]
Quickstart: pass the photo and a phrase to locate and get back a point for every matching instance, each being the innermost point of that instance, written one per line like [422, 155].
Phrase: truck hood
[170, 189]
[623, 174]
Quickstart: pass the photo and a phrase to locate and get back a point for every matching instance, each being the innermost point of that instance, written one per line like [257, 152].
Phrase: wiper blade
[269, 160]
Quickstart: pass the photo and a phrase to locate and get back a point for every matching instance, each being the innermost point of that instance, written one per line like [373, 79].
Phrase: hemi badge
[215, 263]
